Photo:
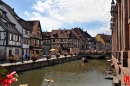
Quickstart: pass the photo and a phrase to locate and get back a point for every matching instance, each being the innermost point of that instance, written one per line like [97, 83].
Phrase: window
[16, 51]
[53, 40]
[34, 41]
[61, 40]
[14, 37]
[19, 39]
[11, 36]
[37, 42]
[25, 41]
[3, 14]
[67, 35]
[28, 33]
[41, 42]
[0, 35]
[23, 31]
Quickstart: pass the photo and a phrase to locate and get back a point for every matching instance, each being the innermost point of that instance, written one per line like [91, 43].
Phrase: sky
[92, 16]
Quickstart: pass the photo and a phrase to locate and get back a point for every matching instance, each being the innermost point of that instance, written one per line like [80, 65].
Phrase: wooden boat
[109, 77]
[84, 59]
[109, 60]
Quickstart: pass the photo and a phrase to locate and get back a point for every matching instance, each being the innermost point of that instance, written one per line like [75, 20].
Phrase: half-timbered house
[36, 44]
[10, 37]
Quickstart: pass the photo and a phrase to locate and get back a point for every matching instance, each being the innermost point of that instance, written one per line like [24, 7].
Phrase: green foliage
[3, 72]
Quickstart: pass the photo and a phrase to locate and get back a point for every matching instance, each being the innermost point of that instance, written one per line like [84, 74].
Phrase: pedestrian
[26, 55]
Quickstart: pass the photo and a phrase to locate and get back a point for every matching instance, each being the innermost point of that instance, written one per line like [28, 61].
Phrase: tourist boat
[84, 59]
[109, 60]
[109, 77]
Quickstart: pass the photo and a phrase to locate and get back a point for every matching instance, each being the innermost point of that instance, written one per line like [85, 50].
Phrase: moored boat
[84, 59]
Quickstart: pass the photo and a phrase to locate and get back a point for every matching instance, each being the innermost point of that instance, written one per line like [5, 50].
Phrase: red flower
[9, 80]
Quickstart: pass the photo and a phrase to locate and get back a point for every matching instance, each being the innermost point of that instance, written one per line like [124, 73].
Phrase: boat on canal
[84, 59]
[109, 76]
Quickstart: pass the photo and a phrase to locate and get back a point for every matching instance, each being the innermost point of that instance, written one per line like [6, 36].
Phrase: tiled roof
[60, 33]
[46, 35]
[109, 37]
[79, 33]
[33, 26]
[18, 19]
[12, 30]
[10, 9]
[105, 37]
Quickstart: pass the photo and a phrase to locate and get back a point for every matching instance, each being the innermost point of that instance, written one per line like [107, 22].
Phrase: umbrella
[52, 49]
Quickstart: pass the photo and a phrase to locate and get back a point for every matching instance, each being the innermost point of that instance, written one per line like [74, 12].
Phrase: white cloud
[26, 13]
[47, 23]
[42, 6]
[58, 12]
[104, 29]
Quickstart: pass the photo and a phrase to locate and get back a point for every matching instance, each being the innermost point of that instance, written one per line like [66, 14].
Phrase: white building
[14, 36]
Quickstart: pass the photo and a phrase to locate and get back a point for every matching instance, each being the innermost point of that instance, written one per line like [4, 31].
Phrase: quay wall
[37, 64]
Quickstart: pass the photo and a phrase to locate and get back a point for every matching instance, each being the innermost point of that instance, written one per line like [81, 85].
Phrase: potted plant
[48, 57]
[71, 54]
[34, 57]
[13, 58]
[65, 55]
[57, 55]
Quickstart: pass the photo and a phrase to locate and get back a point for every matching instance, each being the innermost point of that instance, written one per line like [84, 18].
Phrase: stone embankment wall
[37, 64]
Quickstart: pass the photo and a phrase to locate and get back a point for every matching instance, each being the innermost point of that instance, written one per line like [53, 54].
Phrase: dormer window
[10, 25]
[4, 14]
[55, 35]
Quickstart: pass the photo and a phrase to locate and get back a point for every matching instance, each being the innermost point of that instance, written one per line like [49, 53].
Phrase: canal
[73, 73]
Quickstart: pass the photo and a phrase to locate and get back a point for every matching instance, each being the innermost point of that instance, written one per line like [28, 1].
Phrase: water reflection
[73, 73]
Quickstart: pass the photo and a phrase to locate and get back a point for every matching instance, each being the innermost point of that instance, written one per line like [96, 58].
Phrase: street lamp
[49, 80]
[22, 48]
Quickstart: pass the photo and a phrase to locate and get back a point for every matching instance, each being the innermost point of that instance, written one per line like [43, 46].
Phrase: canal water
[73, 73]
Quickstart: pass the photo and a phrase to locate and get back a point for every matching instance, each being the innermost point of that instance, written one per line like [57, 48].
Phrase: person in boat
[84, 59]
